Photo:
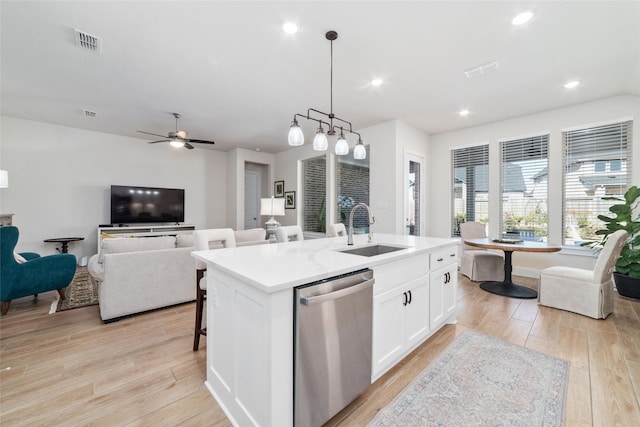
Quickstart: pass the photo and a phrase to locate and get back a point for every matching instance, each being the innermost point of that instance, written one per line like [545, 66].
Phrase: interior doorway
[414, 195]
[255, 187]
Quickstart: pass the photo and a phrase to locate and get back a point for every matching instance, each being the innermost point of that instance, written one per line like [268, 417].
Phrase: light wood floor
[71, 369]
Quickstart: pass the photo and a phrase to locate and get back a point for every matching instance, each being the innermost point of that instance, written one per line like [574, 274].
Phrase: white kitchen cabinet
[444, 282]
[400, 323]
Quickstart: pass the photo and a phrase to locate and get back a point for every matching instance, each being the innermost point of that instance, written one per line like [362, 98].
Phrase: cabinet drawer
[443, 257]
[398, 273]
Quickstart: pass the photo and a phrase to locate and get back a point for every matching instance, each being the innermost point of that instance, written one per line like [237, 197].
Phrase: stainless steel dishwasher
[332, 345]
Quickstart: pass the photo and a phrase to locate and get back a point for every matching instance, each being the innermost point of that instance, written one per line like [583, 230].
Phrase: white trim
[597, 124]
[472, 144]
[529, 135]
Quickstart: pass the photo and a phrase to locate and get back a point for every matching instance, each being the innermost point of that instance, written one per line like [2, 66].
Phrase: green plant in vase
[626, 216]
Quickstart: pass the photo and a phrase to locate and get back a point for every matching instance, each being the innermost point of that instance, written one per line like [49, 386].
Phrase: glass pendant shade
[359, 152]
[320, 142]
[342, 148]
[296, 137]
[177, 143]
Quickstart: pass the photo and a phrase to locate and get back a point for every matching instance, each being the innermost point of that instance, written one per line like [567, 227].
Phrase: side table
[65, 242]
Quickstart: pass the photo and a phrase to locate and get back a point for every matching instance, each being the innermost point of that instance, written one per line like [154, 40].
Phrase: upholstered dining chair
[586, 292]
[214, 238]
[479, 265]
[335, 230]
[28, 273]
[253, 236]
[289, 233]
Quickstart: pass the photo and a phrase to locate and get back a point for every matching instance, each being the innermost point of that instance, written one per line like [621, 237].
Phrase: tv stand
[144, 231]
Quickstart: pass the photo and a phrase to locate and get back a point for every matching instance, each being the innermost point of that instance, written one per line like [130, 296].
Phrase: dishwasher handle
[337, 294]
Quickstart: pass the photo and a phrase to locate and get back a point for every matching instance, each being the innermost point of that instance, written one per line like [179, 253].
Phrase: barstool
[203, 240]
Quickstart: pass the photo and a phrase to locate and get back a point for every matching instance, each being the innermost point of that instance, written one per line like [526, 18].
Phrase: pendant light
[320, 142]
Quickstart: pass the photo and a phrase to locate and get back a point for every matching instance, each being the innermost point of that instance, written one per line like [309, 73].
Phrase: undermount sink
[373, 250]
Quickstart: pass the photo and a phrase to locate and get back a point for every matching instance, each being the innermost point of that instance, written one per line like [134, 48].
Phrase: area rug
[482, 381]
[81, 292]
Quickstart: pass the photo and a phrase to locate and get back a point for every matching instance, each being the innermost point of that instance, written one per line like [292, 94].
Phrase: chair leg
[61, 293]
[200, 299]
[5, 307]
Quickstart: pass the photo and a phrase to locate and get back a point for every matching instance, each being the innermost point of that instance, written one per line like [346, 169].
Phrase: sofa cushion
[110, 246]
[184, 240]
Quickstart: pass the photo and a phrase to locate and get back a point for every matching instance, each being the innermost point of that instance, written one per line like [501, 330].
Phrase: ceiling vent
[88, 42]
[481, 69]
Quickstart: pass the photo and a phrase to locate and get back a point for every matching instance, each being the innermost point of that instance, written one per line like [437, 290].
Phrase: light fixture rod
[331, 77]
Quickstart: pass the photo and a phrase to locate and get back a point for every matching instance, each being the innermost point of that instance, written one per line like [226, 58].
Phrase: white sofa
[145, 273]
[140, 274]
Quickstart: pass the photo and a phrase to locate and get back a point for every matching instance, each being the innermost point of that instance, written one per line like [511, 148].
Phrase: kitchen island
[250, 312]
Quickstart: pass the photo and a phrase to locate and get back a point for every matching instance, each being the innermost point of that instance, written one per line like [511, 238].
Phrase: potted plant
[626, 216]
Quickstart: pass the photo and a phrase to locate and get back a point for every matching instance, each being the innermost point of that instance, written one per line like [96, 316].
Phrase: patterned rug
[81, 292]
[482, 381]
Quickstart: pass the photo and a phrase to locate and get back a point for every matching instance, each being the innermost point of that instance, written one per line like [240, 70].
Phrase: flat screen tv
[135, 205]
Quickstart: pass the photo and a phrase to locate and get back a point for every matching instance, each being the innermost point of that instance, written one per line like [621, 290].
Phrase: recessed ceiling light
[290, 28]
[376, 82]
[522, 18]
[464, 112]
[571, 85]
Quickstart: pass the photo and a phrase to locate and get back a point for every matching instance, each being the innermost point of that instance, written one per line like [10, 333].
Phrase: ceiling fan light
[359, 151]
[296, 137]
[320, 142]
[177, 143]
[342, 148]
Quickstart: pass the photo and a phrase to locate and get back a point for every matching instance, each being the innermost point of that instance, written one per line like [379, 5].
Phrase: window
[524, 188]
[470, 186]
[352, 186]
[314, 175]
[595, 165]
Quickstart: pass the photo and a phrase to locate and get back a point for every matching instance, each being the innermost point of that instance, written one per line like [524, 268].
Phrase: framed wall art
[278, 189]
[290, 200]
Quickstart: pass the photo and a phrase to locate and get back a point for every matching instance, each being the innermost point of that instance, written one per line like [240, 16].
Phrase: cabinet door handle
[409, 297]
[404, 300]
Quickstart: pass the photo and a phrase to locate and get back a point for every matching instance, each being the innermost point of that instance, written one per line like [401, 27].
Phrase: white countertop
[279, 266]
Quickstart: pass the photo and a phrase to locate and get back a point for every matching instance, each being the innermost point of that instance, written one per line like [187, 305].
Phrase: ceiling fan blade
[201, 141]
[154, 134]
[189, 146]
[162, 140]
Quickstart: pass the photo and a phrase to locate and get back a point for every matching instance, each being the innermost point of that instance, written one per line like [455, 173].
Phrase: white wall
[552, 122]
[60, 177]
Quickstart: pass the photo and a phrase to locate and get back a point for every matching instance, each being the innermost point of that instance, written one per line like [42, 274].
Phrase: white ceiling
[237, 78]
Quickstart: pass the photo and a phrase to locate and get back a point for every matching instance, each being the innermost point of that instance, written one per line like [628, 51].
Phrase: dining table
[506, 287]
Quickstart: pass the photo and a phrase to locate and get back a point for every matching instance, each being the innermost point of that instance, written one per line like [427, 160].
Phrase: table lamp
[272, 207]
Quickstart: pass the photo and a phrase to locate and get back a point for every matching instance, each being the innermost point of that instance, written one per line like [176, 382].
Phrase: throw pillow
[19, 258]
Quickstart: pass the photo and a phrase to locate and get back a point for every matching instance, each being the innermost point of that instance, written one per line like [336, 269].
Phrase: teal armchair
[38, 274]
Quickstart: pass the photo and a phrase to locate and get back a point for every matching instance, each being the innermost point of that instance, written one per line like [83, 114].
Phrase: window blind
[596, 164]
[470, 185]
[524, 178]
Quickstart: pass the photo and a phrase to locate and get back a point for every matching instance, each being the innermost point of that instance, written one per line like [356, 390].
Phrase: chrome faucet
[372, 221]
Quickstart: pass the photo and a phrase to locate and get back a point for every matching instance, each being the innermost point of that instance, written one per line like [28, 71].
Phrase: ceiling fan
[178, 138]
